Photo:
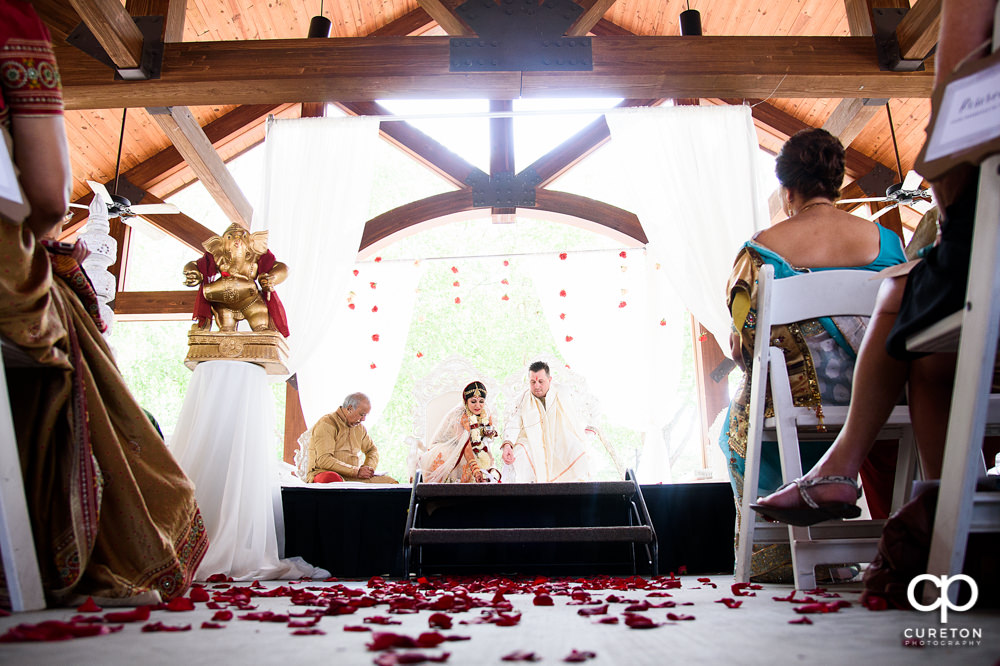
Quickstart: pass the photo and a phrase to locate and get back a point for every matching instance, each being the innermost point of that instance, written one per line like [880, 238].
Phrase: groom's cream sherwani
[548, 438]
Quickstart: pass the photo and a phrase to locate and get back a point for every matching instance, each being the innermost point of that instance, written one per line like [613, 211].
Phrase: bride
[459, 450]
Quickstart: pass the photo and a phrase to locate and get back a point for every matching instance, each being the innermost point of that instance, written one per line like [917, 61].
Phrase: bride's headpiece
[474, 390]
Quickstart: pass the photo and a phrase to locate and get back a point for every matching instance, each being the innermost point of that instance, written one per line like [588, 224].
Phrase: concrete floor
[757, 632]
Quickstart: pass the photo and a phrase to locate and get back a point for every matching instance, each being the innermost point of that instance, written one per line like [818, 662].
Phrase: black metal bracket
[504, 190]
[884, 23]
[875, 182]
[151, 63]
[722, 370]
[520, 36]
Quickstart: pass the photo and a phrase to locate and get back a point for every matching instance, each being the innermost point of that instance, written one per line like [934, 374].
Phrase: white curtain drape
[225, 442]
[316, 199]
[363, 350]
[690, 173]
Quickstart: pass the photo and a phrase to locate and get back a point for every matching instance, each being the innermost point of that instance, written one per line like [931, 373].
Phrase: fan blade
[912, 181]
[101, 191]
[882, 212]
[76, 205]
[868, 200]
[155, 209]
[143, 227]
[922, 206]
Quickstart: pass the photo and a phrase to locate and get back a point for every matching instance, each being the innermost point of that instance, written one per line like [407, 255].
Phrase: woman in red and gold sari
[113, 515]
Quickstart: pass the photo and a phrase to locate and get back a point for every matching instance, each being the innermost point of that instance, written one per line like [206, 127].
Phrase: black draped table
[358, 532]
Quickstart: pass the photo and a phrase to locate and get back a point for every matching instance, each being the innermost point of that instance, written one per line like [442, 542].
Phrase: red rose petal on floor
[543, 600]
[222, 616]
[308, 632]
[302, 624]
[801, 620]
[430, 639]
[53, 630]
[675, 617]
[180, 604]
[439, 621]
[380, 619]
[140, 614]
[639, 621]
[384, 640]
[730, 603]
[578, 656]
[199, 594]
[212, 625]
[389, 659]
[355, 627]
[739, 590]
[159, 626]
[88, 606]
[874, 602]
[595, 610]
[520, 655]
[608, 620]
[641, 606]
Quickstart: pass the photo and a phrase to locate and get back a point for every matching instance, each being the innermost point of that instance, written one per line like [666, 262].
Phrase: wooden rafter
[114, 29]
[918, 31]
[380, 228]
[143, 305]
[502, 150]
[172, 11]
[443, 13]
[593, 11]
[569, 153]
[418, 145]
[196, 148]
[356, 69]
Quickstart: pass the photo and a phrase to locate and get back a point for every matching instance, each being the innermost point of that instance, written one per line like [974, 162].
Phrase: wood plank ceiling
[778, 55]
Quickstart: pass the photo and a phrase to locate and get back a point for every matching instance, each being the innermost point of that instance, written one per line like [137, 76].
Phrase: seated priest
[340, 448]
[545, 438]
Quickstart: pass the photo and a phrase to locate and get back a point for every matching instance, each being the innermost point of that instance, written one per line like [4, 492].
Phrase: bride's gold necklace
[815, 203]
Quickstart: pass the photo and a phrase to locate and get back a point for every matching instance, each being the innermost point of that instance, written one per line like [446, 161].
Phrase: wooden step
[634, 534]
[580, 489]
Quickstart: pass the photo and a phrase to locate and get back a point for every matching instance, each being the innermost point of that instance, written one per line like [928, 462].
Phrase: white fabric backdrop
[690, 174]
[225, 442]
[316, 198]
[349, 348]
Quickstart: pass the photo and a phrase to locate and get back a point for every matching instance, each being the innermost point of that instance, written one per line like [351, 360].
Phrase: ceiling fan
[119, 206]
[908, 192]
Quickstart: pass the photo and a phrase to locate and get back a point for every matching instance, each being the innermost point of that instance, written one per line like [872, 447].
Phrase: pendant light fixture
[319, 26]
[690, 21]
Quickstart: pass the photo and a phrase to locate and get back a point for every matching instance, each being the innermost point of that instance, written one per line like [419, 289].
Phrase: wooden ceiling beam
[593, 11]
[172, 10]
[114, 29]
[421, 147]
[443, 13]
[189, 138]
[380, 228]
[409, 23]
[222, 130]
[59, 16]
[154, 305]
[502, 151]
[571, 152]
[370, 68]
[918, 31]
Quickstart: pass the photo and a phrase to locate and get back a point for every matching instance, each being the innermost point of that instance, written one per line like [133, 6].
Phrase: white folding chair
[17, 544]
[792, 299]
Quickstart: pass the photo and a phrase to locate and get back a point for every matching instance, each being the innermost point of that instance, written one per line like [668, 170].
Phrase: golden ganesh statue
[236, 278]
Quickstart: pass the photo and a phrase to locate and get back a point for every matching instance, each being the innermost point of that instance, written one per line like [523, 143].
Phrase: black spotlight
[319, 27]
[690, 21]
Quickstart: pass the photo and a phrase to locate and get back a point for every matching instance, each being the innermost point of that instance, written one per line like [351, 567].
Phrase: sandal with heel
[812, 513]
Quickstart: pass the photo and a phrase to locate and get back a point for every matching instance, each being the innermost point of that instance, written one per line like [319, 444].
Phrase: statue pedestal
[226, 443]
[267, 349]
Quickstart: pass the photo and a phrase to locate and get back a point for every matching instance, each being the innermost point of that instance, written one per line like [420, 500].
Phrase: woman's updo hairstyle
[474, 390]
[812, 164]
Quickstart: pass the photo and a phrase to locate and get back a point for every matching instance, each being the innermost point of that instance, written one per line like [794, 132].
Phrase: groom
[544, 440]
